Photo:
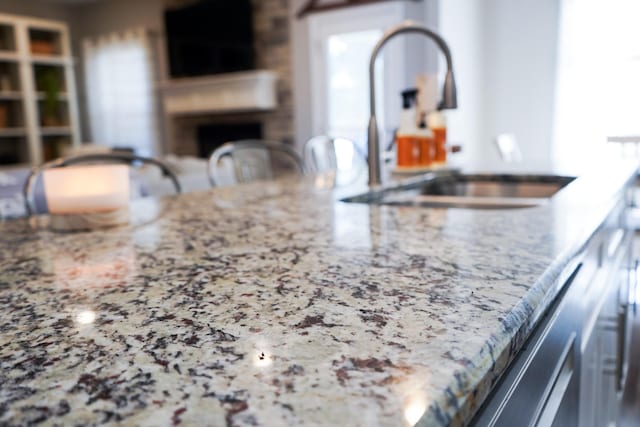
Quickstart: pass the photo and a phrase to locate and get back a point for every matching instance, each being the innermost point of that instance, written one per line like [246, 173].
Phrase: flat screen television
[210, 37]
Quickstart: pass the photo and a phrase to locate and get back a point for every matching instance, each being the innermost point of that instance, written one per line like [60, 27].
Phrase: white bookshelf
[38, 101]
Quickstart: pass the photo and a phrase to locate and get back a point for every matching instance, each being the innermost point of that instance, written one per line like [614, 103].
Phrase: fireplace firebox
[212, 136]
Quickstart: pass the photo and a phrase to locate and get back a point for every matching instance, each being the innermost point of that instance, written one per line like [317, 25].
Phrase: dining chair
[33, 181]
[508, 148]
[339, 157]
[251, 160]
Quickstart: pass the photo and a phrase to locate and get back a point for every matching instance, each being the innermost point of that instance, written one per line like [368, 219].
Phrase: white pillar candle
[86, 189]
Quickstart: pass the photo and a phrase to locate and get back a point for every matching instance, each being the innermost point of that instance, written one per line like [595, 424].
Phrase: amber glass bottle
[438, 126]
[407, 141]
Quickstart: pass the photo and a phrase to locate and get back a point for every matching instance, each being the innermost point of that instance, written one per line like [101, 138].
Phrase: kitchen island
[277, 304]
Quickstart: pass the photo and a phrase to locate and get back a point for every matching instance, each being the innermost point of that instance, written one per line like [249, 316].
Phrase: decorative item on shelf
[4, 115]
[5, 83]
[52, 148]
[42, 47]
[49, 82]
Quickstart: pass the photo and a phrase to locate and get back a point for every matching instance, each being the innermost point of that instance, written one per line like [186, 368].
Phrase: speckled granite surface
[271, 304]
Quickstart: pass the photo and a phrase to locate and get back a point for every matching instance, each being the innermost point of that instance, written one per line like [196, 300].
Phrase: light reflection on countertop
[85, 317]
[415, 407]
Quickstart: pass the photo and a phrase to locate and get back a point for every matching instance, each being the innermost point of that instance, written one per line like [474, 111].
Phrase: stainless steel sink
[479, 191]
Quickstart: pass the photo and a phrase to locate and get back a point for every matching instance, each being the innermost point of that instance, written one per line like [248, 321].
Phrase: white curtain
[598, 90]
[119, 77]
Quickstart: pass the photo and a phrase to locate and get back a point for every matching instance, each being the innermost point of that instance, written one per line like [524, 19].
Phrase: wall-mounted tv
[210, 37]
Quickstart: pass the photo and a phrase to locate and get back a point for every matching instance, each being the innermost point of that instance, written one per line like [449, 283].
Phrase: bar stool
[251, 160]
[336, 157]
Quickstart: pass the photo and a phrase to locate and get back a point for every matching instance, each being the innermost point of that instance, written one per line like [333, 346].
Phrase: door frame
[361, 18]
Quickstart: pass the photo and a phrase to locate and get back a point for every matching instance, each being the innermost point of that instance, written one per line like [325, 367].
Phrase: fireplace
[261, 95]
[212, 136]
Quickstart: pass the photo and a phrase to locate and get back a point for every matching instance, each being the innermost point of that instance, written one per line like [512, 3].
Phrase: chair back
[337, 156]
[251, 160]
[508, 148]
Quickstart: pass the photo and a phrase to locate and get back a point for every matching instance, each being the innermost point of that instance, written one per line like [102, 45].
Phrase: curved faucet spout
[449, 95]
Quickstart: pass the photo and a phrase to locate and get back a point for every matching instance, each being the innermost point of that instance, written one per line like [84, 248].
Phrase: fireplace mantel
[244, 91]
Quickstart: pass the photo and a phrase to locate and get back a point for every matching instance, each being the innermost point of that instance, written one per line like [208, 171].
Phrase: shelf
[55, 131]
[12, 132]
[7, 55]
[35, 66]
[62, 96]
[10, 96]
[49, 60]
[624, 139]
[223, 93]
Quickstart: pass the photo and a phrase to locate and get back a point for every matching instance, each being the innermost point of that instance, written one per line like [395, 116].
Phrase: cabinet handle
[610, 366]
[622, 344]
[559, 384]
[628, 297]
[614, 242]
[634, 286]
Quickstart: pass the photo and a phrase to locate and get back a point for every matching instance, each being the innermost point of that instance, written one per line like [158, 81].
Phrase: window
[119, 91]
[348, 88]
[598, 92]
[340, 45]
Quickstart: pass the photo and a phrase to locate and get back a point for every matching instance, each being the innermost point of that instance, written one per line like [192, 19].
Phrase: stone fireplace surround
[232, 102]
[271, 103]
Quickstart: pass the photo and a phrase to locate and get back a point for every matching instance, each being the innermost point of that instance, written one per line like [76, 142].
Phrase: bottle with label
[438, 125]
[407, 141]
[427, 144]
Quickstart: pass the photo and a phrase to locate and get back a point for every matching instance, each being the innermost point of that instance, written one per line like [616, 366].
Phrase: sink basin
[479, 191]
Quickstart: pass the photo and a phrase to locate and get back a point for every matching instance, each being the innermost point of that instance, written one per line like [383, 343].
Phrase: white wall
[37, 9]
[520, 71]
[115, 15]
[461, 23]
[505, 58]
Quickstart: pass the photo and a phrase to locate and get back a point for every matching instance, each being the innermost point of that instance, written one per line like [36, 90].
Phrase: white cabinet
[604, 342]
[38, 109]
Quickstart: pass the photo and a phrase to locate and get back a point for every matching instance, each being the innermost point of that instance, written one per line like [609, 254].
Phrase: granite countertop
[275, 304]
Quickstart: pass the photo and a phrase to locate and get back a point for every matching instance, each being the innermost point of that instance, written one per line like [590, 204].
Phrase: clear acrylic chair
[508, 148]
[251, 160]
[339, 157]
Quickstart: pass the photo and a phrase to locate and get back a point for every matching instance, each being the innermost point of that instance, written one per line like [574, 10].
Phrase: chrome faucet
[449, 97]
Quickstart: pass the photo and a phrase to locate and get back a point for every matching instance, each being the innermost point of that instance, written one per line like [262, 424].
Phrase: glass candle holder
[88, 196]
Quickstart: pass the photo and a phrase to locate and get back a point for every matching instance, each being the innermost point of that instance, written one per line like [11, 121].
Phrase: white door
[341, 43]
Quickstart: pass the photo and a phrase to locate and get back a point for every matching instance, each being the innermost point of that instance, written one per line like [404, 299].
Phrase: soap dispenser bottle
[437, 123]
[427, 143]
[407, 141]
